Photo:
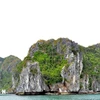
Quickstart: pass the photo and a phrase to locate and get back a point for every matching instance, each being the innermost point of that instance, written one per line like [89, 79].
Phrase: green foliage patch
[91, 64]
[50, 66]
[7, 69]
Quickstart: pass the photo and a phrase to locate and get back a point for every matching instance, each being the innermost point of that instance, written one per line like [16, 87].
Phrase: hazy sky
[23, 22]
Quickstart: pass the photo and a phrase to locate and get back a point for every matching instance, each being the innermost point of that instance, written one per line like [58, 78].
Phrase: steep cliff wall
[65, 67]
[59, 60]
[31, 80]
[72, 74]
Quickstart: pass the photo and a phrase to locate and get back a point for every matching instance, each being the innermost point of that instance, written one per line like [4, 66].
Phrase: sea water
[51, 97]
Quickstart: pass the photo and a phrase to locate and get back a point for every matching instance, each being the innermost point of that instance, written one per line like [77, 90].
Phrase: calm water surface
[46, 97]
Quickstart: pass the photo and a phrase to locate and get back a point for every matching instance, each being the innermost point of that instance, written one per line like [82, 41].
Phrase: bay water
[51, 97]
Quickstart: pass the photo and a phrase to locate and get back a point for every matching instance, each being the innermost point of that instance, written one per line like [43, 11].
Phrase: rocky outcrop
[65, 66]
[59, 59]
[13, 82]
[88, 85]
[7, 67]
[70, 61]
[31, 80]
[96, 85]
[59, 87]
[84, 84]
[71, 74]
[71, 52]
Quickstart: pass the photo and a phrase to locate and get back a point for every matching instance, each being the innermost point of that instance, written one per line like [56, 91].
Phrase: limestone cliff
[64, 65]
[72, 74]
[7, 66]
[31, 80]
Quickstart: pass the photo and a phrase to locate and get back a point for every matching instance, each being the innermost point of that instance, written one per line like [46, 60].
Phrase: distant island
[52, 67]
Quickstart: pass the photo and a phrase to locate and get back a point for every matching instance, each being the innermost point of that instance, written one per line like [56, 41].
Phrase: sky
[24, 22]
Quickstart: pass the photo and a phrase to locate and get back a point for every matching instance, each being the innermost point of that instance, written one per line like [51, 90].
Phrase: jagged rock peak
[31, 80]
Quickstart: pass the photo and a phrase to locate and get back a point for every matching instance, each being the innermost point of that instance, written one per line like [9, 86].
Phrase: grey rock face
[33, 49]
[87, 87]
[96, 86]
[84, 84]
[73, 72]
[31, 79]
[59, 87]
[72, 52]
[13, 82]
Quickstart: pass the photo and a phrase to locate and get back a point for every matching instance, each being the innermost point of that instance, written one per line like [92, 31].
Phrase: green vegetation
[6, 70]
[50, 66]
[33, 71]
[5, 82]
[22, 64]
[91, 63]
